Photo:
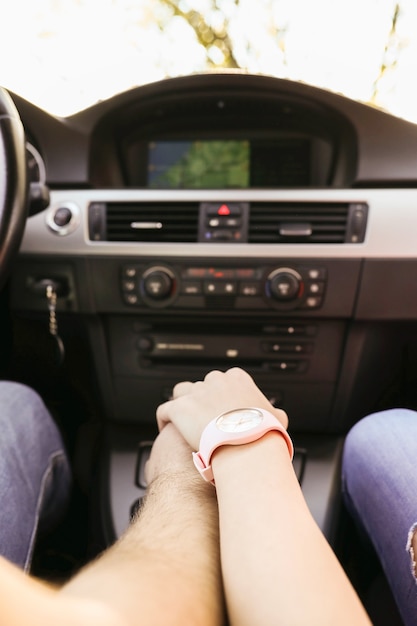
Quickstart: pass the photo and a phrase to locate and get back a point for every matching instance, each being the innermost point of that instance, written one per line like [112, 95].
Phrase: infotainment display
[198, 164]
[228, 163]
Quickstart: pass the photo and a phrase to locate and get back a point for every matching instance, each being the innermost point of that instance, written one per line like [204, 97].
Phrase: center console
[284, 321]
[153, 322]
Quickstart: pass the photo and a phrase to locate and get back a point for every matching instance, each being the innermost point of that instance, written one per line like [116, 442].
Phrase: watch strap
[212, 438]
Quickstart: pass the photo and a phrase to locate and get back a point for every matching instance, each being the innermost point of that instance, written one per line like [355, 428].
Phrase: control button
[229, 288]
[315, 288]
[291, 329]
[289, 367]
[286, 347]
[222, 235]
[224, 210]
[271, 346]
[249, 288]
[224, 222]
[220, 288]
[232, 222]
[303, 348]
[62, 216]
[130, 298]
[192, 288]
[65, 219]
[316, 273]
[130, 271]
[284, 366]
[313, 302]
[128, 285]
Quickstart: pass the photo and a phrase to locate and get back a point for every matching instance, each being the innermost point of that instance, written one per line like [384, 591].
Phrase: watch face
[239, 420]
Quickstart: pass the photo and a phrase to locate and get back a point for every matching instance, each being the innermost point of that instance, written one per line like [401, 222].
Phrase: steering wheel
[13, 183]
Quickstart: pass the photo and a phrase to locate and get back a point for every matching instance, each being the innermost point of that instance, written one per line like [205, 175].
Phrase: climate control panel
[283, 287]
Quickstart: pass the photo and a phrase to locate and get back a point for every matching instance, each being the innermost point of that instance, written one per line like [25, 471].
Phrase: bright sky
[66, 54]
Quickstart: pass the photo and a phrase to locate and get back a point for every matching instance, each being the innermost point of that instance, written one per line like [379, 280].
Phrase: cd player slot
[282, 366]
[163, 346]
[205, 363]
[208, 351]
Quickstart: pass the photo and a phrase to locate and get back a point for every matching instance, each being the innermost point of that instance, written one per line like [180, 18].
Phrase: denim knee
[34, 471]
[380, 490]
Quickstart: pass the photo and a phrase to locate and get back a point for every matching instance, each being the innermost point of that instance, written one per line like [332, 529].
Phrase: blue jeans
[379, 475]
[34, 472]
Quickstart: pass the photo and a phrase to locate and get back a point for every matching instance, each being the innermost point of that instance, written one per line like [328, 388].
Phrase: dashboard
[226, 219]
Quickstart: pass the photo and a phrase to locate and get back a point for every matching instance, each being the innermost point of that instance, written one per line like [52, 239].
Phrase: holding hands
[257, 496]
[194, 405]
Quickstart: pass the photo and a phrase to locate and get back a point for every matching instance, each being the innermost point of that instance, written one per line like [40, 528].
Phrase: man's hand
[170, 454]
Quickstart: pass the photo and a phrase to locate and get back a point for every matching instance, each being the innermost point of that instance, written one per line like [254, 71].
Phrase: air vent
[152, 221]
[307, 222]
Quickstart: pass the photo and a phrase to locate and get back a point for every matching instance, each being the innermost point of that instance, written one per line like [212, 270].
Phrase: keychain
[51, 297]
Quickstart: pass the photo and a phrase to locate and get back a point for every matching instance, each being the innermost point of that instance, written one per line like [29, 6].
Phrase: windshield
[65, 55]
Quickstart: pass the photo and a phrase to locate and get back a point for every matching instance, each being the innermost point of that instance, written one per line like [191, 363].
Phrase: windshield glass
[65, 55]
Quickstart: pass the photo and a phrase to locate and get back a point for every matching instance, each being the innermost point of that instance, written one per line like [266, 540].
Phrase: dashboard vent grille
[269, 222]
[152, 221]
[307, 222]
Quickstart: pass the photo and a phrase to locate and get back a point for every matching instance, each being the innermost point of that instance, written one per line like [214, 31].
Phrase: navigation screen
[198, 164]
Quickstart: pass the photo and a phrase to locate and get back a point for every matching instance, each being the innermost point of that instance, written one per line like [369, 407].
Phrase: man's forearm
[166, 567]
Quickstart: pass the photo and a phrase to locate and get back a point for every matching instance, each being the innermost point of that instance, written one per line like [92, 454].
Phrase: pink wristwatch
[234, 428]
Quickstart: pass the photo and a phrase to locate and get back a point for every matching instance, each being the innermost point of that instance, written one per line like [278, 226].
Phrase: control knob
[284, 284]
[158, 283]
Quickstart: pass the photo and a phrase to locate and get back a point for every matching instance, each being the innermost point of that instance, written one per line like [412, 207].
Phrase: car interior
[204, 222]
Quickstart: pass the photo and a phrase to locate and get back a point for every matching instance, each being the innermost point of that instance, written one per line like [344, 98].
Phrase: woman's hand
[194, 405]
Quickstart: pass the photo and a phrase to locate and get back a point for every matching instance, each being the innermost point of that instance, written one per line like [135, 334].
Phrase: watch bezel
[249, 417]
